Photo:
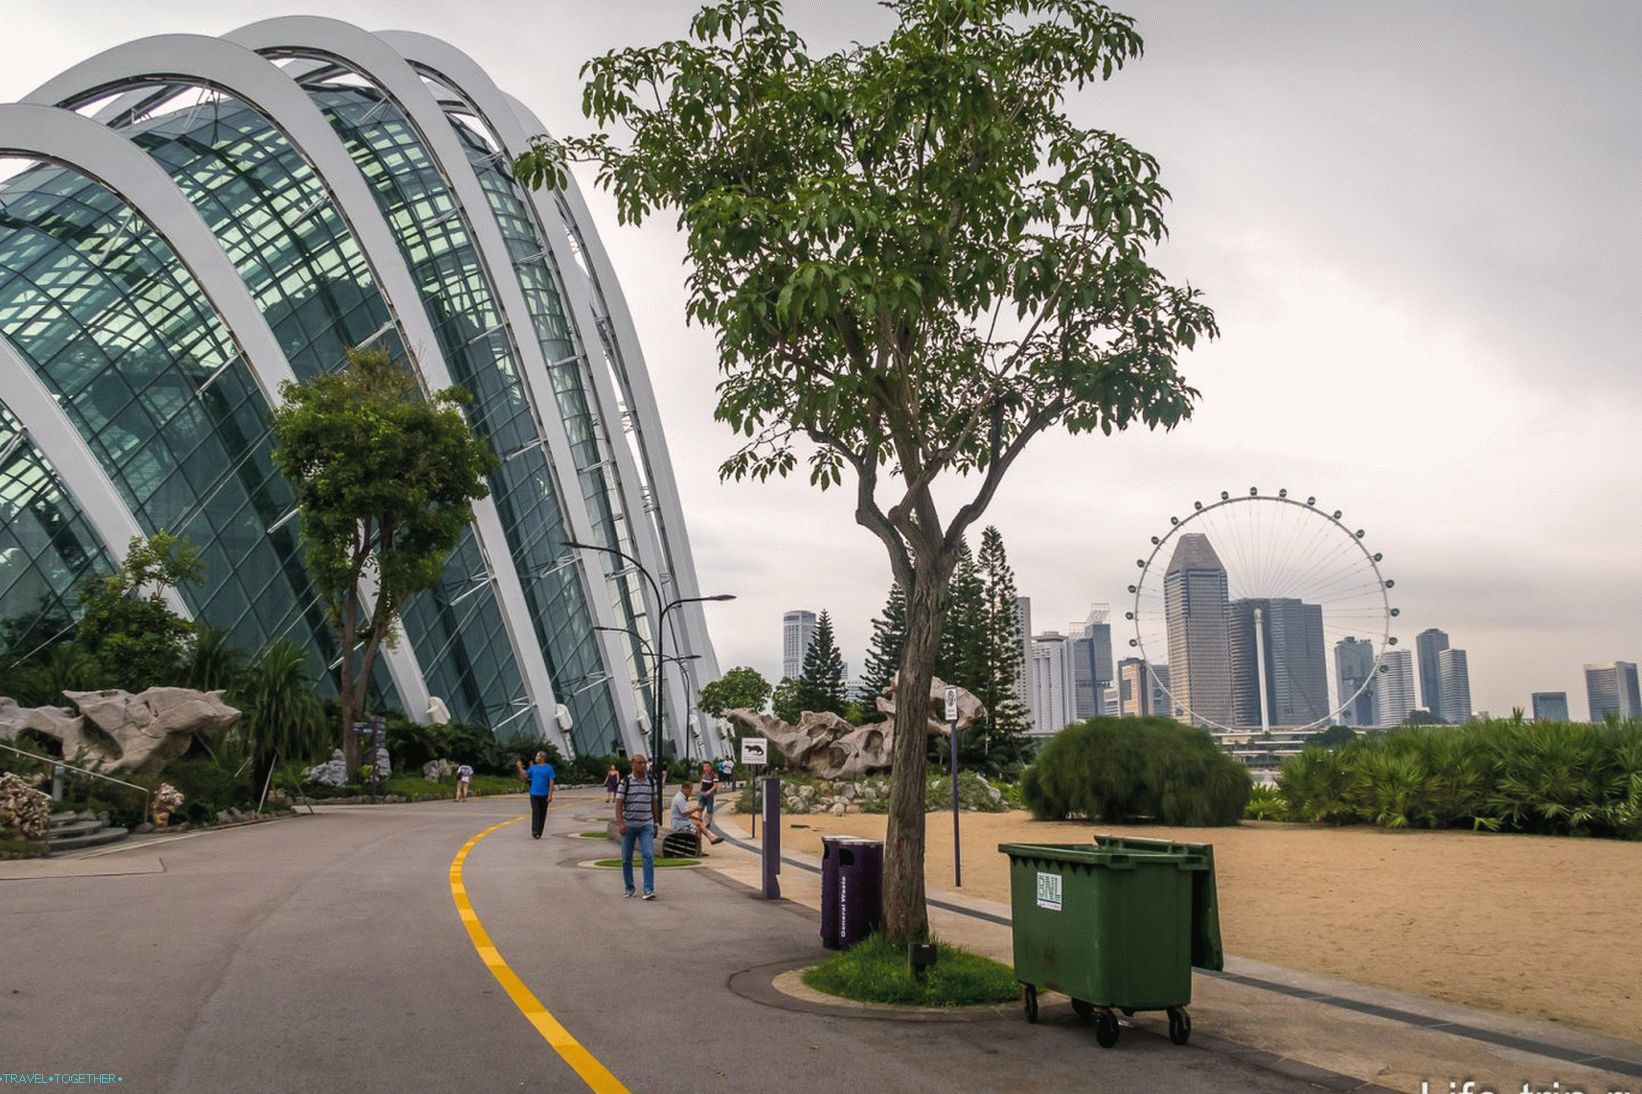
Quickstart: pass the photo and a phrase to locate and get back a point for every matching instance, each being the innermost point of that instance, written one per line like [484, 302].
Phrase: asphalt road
[325, 953]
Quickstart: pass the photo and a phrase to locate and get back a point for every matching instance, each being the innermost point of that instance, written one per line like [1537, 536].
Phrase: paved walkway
[328, 953]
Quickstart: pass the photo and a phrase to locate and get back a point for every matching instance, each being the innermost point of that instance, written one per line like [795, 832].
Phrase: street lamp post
[660, 650]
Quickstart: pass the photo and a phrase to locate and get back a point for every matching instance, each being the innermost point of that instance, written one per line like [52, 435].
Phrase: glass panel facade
[117, 328]
[47, 547]
[274, 217]
[572, 384]
[435, 242]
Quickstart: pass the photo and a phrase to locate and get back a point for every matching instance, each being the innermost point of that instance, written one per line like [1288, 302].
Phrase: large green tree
[385, 478]
[915, 261]
[821, 684]
[742, 688]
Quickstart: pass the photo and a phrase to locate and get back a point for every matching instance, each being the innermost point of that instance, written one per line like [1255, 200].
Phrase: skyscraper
[1353, 669]
[1551, 706]
[797, 632]
[1052, 683]
[1091, 662]
[1024, 690]
[1296, 684]
[1612, 689]
[1394, 688]
[1162, 704]
[1134, 690]
[1429, 643]
[1454, 685]
[1195, 609]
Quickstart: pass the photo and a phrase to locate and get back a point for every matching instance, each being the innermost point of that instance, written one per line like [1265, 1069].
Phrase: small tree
[128, 625]
[821, 687]
[915, 263]
[385, 478]
[787, 701]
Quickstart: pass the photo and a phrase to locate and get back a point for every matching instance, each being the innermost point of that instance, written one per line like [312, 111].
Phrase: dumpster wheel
[1180, 1025]
[1086, 1011]
[1029, 1000]
[1106, 1027]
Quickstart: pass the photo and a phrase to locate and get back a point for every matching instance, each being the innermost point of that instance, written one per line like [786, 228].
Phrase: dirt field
[1537, 926]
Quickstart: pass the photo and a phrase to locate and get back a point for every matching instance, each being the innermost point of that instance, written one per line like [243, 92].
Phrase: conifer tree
[889, 634]
[822, 684]
[1008, 720]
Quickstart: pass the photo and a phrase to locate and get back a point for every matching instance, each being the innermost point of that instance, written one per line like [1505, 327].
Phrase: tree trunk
[345, 684]
[906, 919]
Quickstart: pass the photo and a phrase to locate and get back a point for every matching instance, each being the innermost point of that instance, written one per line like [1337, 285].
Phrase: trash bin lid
[1115, 858]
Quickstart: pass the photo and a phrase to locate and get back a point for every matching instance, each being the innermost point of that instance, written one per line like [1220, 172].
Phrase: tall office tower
[1296, 684]
[1353, 669]
[797, 632]
[1024, 690]
[1108, 701]
[1163, 704]
[1454, 685]
[1195, 610]
[1612, 689]
[1091, 662]
[1551, 706]
[1134, 688]
[1429, 643]
[1394, 688]
[1052, 683]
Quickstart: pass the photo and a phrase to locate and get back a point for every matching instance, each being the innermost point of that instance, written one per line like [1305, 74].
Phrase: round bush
[1120, 770]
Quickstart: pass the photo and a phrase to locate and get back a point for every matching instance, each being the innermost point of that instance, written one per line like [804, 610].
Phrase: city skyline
[1293, 243]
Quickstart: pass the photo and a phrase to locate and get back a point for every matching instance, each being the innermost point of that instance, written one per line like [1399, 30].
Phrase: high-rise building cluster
[1069, 674]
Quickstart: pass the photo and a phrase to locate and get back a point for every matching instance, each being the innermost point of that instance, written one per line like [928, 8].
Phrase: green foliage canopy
[821, 685]
[128, 625]
[742, 688]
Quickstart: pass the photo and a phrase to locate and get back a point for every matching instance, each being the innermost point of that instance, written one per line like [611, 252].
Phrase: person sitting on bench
[686, 818]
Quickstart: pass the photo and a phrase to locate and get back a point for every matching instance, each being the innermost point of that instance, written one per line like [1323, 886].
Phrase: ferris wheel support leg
[1260, 669]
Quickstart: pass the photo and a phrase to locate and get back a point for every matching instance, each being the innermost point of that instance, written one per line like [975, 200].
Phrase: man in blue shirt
[541, 777]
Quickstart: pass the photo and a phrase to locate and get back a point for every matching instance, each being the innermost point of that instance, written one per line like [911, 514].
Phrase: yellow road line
[583, 1062]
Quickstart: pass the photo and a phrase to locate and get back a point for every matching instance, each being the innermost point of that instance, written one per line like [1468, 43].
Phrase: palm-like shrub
[1121, 770]
[1556, 779]
[214, 662]
[281, 709]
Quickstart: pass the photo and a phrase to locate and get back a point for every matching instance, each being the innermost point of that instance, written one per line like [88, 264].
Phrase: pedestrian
[464, 776]
[612, 779]
[709, 791]
[542, 779]
[727, 767]
[637, 797]
[684, 817]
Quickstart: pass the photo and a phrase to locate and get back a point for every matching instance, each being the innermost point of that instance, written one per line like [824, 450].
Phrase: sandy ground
[1541, 927]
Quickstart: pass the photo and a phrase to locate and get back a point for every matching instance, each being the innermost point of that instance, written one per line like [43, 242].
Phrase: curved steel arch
[465, 76]
[80, 144]
[641, 402]
[75, 465]
[248, 76]
[378, 62]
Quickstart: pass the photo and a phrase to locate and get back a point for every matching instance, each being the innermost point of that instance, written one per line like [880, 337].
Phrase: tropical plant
[915, 262]
[1265, 803]
[213, 660]
[384, 478]
[128, 623]
[281, 713]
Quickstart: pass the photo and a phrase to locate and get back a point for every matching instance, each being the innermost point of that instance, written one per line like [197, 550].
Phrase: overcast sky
[1420, 225]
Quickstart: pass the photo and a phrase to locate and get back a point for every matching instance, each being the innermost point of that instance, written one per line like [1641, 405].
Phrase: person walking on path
[637, 801]
[542, 778]
[611, 780]
[709, 792]
[464, 776]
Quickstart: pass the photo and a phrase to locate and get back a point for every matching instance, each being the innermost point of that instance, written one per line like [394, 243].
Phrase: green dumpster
[1116, 926]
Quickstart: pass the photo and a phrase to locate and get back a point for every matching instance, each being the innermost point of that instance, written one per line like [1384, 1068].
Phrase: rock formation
[825, 745]
[23, 809]
[333, 772]
[125, 732]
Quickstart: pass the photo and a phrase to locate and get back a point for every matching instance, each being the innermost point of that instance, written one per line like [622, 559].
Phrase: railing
[57, 769]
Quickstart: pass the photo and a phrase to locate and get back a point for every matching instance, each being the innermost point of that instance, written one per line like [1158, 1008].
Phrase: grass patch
[417, 789]
[615, 863]
[876, 972]
[18, 846]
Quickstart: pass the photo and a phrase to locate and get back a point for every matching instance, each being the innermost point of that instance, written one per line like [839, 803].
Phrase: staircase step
[94, 839]
[59, 820]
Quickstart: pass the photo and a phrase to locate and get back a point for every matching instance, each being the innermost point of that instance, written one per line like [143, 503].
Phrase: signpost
[755, 753]
[952, 734]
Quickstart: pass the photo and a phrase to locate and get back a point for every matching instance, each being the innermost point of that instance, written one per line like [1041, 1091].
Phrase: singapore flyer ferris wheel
[1257, 612]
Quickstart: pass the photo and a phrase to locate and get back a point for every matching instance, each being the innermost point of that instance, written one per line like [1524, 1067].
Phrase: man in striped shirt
[637, 803]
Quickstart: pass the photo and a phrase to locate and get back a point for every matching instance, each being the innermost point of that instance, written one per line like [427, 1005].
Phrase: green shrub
[1265, 803]
[1120, 770]
[1548, 778]
[207, 789]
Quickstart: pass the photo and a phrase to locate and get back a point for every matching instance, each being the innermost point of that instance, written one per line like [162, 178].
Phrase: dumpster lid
[1116, 858]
